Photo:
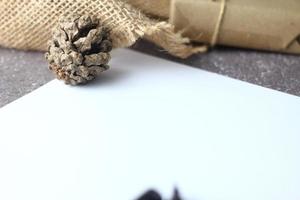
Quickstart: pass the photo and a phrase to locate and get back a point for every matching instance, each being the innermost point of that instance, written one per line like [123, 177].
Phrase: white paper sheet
[150, 123]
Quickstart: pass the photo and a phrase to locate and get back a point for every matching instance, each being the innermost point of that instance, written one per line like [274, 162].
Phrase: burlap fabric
[28, 24]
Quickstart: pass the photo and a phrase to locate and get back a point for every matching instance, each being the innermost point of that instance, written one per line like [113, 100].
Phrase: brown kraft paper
[259, 24]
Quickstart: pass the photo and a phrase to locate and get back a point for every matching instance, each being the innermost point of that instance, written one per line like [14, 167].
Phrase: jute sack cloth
[28, 24]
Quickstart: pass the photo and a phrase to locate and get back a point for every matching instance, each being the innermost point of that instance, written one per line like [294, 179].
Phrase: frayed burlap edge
[28, 25]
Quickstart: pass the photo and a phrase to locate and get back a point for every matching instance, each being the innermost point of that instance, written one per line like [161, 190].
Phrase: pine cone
[79, 50]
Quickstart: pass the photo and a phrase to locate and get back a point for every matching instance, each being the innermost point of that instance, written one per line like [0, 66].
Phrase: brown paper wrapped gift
[258, 24]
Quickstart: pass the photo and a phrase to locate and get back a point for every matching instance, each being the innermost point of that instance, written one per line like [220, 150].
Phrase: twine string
[216, 33]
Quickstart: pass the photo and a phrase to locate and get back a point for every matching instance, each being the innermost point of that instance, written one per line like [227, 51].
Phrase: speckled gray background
[21, 72]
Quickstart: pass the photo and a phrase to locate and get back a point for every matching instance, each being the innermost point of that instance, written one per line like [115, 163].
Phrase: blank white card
[150, 123]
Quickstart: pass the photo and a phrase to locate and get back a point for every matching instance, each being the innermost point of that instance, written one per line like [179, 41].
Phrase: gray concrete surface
[21, 72]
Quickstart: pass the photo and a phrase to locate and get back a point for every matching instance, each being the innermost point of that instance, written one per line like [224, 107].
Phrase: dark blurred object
[154, 195]
[150, 195]
[176, 195]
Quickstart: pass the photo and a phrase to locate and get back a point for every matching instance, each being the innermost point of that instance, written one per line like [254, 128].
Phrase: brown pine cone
[79, 50]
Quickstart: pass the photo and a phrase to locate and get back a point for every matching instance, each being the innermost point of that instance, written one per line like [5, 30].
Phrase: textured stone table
[21, 72]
